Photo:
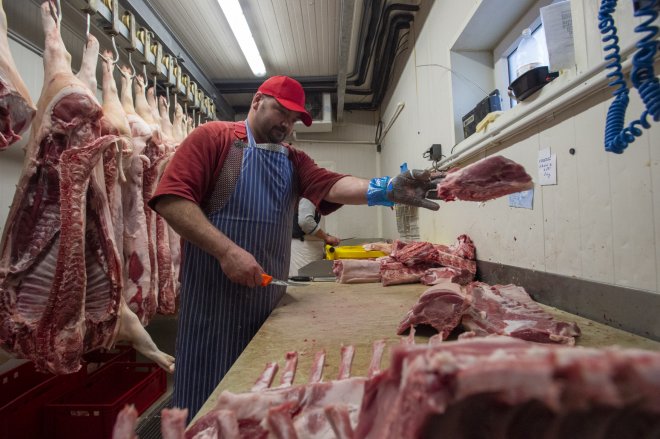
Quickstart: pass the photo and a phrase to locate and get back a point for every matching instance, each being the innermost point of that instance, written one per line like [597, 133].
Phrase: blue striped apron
[218, 318]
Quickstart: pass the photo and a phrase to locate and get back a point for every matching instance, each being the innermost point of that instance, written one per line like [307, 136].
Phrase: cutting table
[325, 315]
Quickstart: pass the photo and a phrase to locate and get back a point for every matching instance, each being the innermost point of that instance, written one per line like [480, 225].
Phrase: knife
[267, 279]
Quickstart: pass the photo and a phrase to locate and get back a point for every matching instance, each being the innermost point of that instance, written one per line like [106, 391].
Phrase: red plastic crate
[94, 406]
[24, 392]
[99, 358]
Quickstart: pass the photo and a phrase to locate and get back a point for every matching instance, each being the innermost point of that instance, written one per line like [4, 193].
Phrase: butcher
[230, 192]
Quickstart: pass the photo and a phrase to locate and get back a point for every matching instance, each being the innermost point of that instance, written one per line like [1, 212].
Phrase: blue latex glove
[377, 192]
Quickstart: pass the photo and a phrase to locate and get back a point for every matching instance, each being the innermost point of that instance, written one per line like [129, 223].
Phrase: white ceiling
[294, 37]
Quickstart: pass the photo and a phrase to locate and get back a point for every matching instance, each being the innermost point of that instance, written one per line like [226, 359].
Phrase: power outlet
[435, 152]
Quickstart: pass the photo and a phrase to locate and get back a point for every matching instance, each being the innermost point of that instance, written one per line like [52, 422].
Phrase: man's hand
[414, 187]
[241, 267]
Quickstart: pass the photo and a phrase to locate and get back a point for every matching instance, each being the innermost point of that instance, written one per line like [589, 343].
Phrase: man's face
[274, 122]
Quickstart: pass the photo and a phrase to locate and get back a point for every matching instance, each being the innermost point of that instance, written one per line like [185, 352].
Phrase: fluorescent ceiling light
[234, 14]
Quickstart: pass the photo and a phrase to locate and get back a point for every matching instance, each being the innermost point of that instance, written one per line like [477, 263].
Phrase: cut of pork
[393, 272]
[441, 306]
[313, 410]
[356, 271]
[16, 107]
[463, 248]
[489, 178]
[503, 387]
[436, 275]
[509, 310]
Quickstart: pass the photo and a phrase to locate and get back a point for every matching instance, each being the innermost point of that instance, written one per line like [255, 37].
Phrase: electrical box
[476, 115]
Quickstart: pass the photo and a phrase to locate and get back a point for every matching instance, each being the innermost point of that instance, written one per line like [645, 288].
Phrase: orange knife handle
[265, 279]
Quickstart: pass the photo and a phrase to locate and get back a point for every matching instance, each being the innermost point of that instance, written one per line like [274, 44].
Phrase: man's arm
[410, 187]
[188, 220]
[348, 190]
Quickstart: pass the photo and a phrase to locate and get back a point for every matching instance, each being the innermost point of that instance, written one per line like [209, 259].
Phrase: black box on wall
[487, 105]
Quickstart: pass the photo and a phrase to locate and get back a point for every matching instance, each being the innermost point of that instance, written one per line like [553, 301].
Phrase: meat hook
[130, 62]
[57, 12]
[89, 19]
[114, 47]
[144, 73]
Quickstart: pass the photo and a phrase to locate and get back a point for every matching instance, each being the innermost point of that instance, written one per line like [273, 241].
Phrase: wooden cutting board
[323, 316]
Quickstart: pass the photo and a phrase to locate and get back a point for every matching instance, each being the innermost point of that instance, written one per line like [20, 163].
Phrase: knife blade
[267, 279]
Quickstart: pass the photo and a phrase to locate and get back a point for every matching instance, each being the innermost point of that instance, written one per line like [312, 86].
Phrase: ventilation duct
[319, 106]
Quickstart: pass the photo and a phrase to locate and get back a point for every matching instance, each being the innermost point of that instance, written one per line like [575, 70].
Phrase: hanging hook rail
[114, 21]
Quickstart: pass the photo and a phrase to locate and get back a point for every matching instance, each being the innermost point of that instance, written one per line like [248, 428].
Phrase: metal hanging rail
[158, 60]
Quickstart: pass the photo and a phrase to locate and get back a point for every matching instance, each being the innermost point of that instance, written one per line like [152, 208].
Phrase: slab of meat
[356, 271]
[463, 248]
[441, 306]
[414, 253]
[393, 272]
[16, 107]
[439, 257]
[509, 310]
[60, 275]
[503, 387]
[313, 410]
[384, 247]
[141, 284]
[168, 263]
[436, 275]
[489, 178]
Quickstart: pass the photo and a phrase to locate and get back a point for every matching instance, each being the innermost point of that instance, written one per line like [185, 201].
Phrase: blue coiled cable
[617, 137]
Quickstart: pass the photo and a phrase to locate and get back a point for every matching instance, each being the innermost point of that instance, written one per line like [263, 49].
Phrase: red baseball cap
[289, 93]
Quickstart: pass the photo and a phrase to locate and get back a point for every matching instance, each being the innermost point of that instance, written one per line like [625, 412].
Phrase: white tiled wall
[359, 159]
[600, 222]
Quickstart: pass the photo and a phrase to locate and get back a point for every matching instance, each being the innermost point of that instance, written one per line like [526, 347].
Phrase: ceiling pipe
[376, 29]
[382, 73]
[345, 29]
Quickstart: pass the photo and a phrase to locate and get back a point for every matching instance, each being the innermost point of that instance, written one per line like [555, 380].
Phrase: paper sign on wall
[547, 167]
[524, 199]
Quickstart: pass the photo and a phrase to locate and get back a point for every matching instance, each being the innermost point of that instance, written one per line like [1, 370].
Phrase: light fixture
[234, 14]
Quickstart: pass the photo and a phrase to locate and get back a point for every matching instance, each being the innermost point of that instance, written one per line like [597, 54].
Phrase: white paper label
[548, 170]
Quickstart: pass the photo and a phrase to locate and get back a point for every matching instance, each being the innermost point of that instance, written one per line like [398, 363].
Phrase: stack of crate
[37, 405]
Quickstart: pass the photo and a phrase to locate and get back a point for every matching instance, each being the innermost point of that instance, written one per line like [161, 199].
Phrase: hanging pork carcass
[140, 289]
[16, 107]
[60, 272]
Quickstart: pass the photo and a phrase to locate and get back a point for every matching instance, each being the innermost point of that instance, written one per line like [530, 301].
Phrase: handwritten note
[524, 199]
[547, 168]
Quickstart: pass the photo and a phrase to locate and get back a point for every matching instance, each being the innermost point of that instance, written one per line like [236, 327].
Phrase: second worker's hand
[241, 267]
[332, 240]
